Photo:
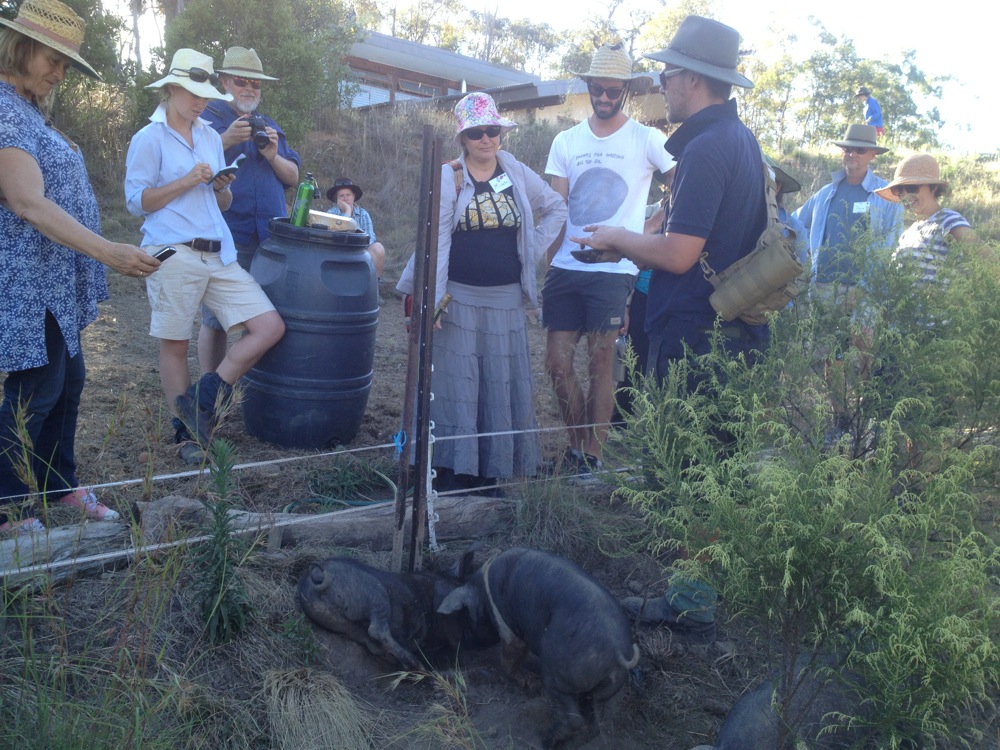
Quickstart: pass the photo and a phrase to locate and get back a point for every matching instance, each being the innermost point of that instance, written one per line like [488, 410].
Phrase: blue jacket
[886, 217]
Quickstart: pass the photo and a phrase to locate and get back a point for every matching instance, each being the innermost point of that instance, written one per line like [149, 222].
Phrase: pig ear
[463, 596]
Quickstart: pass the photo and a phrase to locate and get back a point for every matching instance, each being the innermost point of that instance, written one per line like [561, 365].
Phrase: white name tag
[861, 207]
[500, 183]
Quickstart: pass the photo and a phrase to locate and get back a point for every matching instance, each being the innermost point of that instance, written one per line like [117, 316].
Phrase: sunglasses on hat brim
[197, 75]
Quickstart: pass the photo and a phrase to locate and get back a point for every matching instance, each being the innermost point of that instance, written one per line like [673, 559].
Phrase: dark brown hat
[340, 184]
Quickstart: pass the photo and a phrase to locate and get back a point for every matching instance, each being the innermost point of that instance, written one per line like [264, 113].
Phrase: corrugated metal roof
[421, 58]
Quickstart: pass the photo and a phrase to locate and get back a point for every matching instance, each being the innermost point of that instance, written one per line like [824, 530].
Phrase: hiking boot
[196, 420]
[191, 453]
[657, 612]
[24, 526]
[86, 501]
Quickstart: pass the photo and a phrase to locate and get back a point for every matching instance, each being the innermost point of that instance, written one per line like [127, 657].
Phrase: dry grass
[311, 710]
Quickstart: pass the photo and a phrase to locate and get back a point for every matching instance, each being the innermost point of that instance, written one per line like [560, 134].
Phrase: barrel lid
[279, 227]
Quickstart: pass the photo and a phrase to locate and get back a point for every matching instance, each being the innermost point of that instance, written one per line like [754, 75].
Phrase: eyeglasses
[476, 134]
[343, 182]
[197, 75]
[665, 75]
[855, 150]
[899, 190]
[613, 93]
[244, 82]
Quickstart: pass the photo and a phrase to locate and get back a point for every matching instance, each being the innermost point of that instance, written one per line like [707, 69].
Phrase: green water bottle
[303, 201]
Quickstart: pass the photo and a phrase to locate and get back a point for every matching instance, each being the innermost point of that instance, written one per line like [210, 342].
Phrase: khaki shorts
[183, 282]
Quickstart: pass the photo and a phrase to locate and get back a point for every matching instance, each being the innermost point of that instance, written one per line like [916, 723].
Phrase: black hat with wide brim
[706, 47]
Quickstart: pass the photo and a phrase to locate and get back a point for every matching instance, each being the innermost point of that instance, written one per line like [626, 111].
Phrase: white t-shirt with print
[608, 183]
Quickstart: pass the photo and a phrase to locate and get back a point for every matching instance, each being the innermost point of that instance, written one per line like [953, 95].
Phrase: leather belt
[205, 246]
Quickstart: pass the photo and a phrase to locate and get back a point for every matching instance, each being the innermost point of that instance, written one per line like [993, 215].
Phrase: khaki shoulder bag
[764, 280]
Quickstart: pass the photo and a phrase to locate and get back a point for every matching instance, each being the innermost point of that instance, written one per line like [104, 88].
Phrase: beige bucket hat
[55, 25]
[918, 169]
[245, 63]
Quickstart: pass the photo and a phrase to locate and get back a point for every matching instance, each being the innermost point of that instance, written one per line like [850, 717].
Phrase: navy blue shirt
[717, 194]
[258, 194]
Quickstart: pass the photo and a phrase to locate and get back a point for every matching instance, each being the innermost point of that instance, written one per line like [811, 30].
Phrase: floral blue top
[36, 274]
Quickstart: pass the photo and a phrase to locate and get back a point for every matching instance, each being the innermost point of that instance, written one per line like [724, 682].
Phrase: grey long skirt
[482, 383]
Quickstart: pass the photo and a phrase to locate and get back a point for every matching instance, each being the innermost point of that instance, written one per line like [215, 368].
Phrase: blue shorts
[586, 301]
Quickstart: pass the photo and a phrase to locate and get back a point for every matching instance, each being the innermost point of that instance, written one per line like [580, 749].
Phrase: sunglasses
[666, 75]
[197, 75]
[614, 93]
[244, 82]
[476, 134]
[900, 190]
[855, 150]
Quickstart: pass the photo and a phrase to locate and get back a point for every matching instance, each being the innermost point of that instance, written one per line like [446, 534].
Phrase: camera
[260, 136]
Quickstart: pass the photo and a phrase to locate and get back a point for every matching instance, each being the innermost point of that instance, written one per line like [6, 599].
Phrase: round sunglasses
[476, 134]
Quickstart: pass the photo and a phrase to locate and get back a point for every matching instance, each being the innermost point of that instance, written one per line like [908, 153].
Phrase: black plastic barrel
[311, 389]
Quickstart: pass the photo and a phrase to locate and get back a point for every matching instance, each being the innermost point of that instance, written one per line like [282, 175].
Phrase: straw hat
[478, 110]
[706, 47]
[612, 61]
[185, 60]
[245, 63]
[55, 25]
[861, 136]
[918, 169]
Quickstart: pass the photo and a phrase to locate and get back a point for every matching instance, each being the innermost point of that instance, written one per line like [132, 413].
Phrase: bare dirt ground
[679, 693]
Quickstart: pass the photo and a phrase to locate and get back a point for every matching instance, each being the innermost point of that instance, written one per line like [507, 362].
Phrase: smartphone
[163, 253]
[594, 256]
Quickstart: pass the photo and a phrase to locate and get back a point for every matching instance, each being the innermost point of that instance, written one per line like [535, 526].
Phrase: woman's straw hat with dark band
[917, 169]
[55, 25]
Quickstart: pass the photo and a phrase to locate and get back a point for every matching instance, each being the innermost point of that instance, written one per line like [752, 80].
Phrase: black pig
[392, 614]
[538, 601]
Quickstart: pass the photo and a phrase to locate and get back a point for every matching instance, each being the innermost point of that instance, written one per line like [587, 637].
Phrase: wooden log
[34, 560]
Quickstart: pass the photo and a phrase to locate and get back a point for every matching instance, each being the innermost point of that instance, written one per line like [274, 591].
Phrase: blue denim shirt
[886, 217]
[363, 219]
[36, 274]
[258, 194]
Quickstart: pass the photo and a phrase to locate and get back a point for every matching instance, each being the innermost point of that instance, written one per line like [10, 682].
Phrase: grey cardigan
[539, 227]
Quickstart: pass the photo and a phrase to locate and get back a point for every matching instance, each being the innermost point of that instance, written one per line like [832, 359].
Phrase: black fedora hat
[340, 184]
[707, 47]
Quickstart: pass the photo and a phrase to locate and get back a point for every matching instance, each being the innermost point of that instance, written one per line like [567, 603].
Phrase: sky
[951, 39]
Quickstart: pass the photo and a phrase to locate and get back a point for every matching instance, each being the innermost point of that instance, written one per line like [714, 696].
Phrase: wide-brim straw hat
[706, 47]
[478, 110]
[185, 60]
[861, 136]
[245, 63]
[918, 169]
[613, 62]
[55, 25]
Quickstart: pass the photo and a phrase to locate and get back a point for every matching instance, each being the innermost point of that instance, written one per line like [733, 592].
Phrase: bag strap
[456, 166]
[770, 198]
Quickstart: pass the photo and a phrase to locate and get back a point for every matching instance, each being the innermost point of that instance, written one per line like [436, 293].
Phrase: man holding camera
[269, 167]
